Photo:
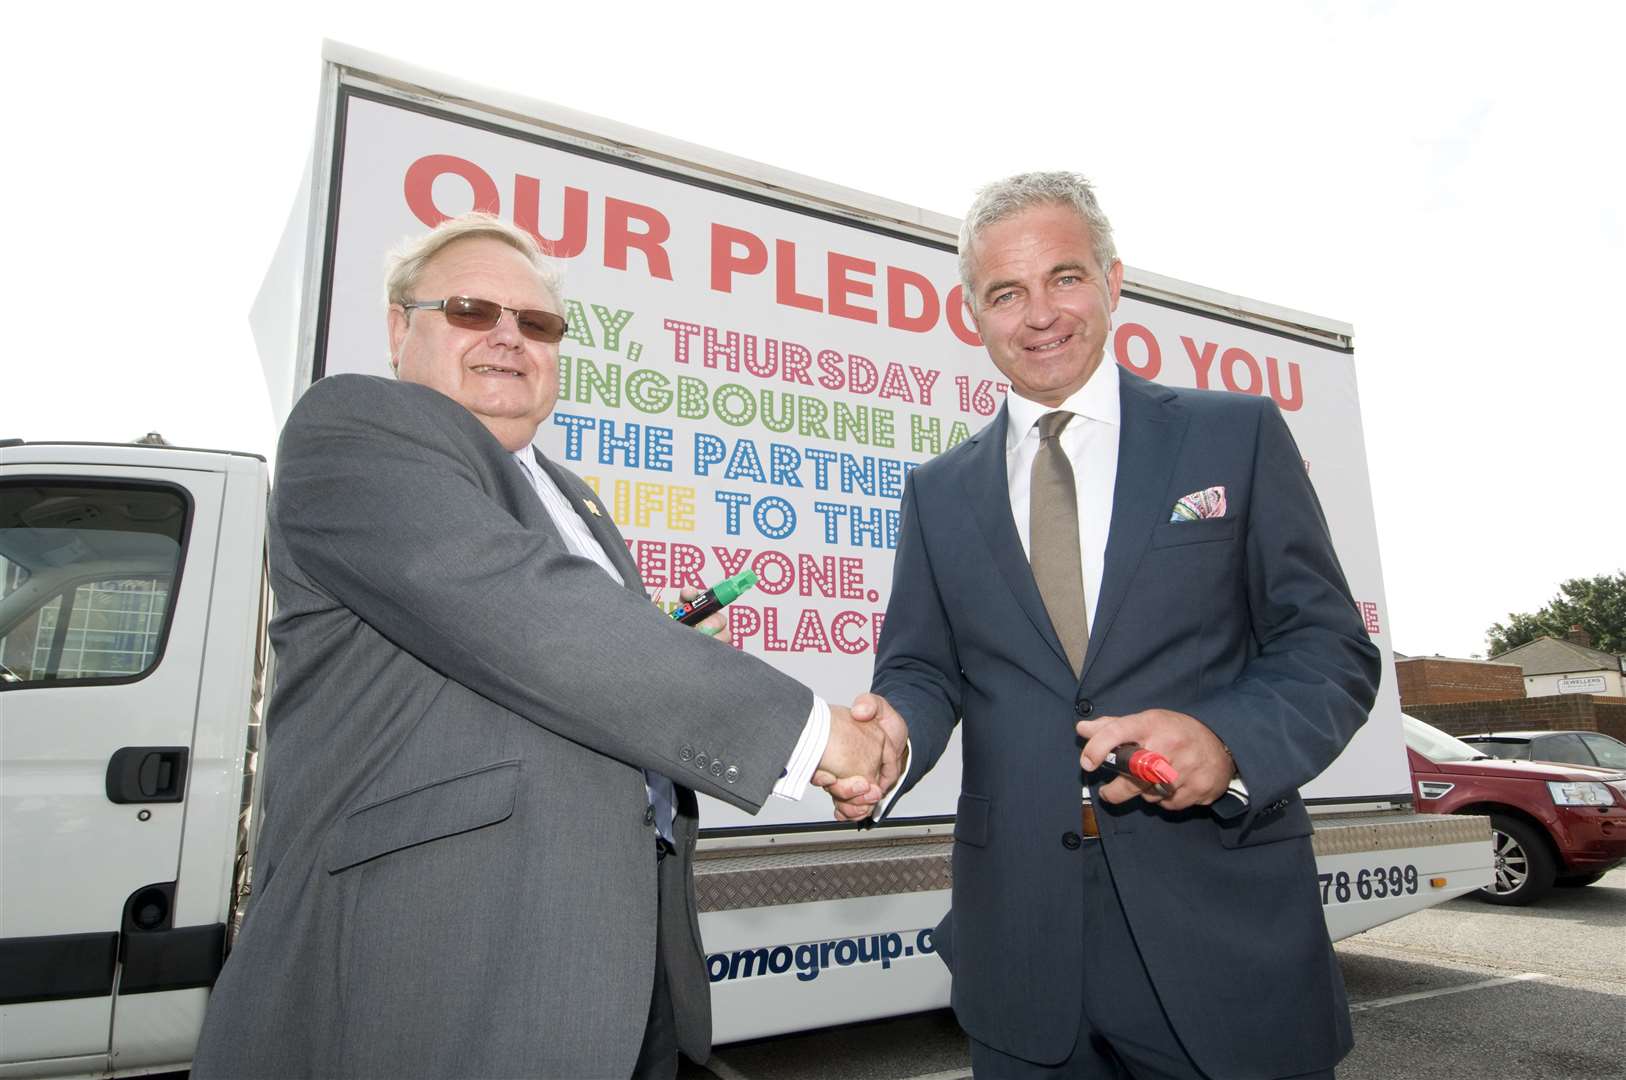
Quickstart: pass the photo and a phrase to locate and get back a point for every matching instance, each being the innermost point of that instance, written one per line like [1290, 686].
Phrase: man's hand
[715, 624]
[1196, 753]
[855, 795]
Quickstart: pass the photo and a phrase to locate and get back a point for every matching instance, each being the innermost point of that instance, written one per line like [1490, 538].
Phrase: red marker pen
[1147, 766]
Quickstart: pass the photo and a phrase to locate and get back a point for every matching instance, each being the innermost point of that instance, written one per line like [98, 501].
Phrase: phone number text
[1373, 883]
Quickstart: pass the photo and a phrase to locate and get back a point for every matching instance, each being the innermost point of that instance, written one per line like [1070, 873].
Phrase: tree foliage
[1597, 605]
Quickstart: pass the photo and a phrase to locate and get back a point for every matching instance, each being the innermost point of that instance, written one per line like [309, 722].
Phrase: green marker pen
[715, 598]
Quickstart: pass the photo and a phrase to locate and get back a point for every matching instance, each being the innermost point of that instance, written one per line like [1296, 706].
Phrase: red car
[1551, 823]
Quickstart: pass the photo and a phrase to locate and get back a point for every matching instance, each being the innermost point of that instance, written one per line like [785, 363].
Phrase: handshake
[865, 757]
[866, 754]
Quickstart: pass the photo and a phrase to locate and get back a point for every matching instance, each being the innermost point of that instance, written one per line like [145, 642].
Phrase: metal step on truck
[754, 362]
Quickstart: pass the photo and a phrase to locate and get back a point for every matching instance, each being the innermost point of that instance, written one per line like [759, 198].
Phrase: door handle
[146, 774]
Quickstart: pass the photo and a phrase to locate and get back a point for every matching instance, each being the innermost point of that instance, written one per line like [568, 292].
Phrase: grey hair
[1008, 197]
[404, 266]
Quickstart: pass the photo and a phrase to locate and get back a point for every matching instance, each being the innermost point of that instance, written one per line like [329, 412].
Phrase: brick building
[1435, 680]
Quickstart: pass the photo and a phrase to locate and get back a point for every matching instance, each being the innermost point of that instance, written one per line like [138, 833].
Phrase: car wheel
[1523, 869]
[1579, 881]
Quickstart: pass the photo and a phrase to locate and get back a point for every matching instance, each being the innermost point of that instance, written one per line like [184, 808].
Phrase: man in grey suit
[1153, 561]
[474, 860]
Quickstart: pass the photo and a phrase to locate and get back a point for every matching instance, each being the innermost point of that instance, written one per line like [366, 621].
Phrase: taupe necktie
[1053, 539]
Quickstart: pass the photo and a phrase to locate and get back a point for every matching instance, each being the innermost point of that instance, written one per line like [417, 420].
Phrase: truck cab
[132, 597]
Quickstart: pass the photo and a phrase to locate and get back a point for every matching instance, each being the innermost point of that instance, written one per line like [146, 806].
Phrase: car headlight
[1580, 793]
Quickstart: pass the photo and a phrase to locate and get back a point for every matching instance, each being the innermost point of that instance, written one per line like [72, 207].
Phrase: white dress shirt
[1090, 442]
[804, 759]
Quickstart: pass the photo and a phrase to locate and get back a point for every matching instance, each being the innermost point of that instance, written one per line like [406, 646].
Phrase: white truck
[754, 363]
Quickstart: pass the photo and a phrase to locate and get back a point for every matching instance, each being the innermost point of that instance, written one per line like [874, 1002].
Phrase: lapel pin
[592, 508]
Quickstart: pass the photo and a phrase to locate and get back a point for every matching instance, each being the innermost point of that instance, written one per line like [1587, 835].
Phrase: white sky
[1446, 177]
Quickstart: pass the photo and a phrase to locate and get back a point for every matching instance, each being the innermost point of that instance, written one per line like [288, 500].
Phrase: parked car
[1567, 747]
[1550, 823]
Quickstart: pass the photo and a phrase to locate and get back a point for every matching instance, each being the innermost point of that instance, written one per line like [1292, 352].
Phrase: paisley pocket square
[1200, 505]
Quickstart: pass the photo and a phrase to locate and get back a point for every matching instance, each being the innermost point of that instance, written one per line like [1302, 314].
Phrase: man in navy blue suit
[1115, 561]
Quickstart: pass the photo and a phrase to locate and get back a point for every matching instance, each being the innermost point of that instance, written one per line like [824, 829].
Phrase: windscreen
[85, 579]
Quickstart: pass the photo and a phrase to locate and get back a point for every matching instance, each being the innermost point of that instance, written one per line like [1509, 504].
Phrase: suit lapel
[578, 495]
[1148, 446]
[989, 494]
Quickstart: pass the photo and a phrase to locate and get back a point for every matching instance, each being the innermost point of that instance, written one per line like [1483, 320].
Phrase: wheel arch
[1506, 810]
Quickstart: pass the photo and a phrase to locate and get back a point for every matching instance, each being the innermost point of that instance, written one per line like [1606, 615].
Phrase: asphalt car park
[1466, 989]
[1470, 989]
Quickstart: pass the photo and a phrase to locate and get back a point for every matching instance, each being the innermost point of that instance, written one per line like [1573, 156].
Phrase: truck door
[105, 581]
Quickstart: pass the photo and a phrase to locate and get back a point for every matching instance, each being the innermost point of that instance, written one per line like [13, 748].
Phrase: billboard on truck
[752, 370]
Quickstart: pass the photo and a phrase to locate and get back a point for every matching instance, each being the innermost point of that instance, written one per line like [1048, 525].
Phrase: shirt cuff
[804, 760]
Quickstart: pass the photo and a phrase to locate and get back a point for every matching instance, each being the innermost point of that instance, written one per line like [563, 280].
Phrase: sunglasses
[472, 313]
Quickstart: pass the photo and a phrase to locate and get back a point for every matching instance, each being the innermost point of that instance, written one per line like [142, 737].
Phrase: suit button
[700, 761]
[1083, 706]
[716, 767]
[686, 753]
[1070, 841]
[649, 815]
[732, 774]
